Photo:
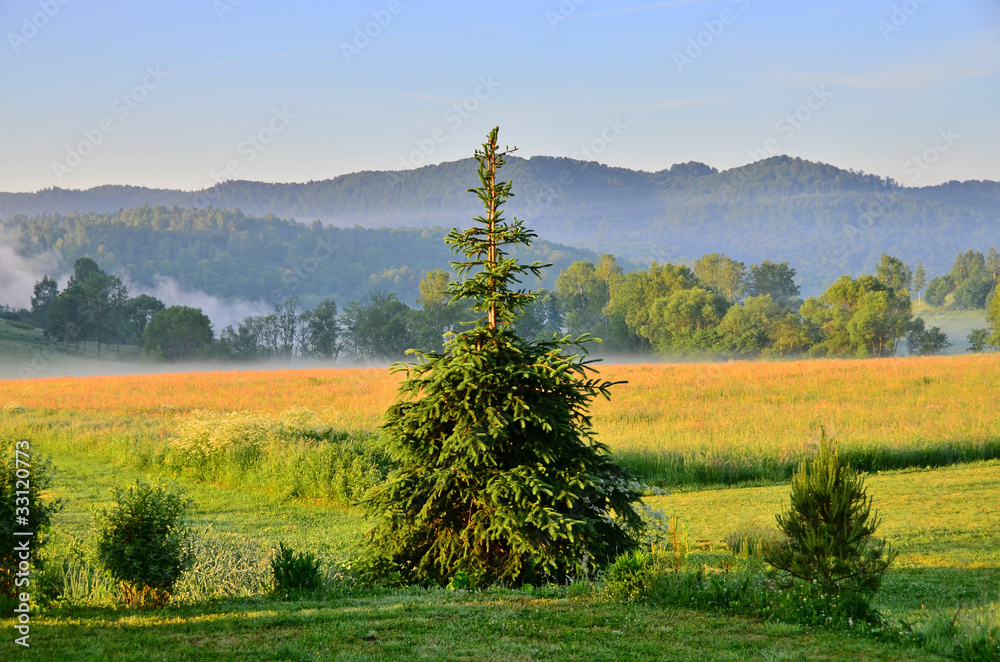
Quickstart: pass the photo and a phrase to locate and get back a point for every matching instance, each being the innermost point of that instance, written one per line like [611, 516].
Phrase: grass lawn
[435, 625]
[944, 522]
[949, 553]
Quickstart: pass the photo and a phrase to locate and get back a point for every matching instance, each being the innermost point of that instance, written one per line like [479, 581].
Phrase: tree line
[96, 307]
[718, 308]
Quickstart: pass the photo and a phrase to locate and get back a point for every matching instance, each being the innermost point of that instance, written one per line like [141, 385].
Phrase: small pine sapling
[831, 528]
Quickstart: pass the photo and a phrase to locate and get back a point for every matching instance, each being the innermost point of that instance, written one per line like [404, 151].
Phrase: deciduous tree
[178, 333]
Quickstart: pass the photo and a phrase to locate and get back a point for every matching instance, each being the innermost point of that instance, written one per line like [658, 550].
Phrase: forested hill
[235, 256]
[823, 220]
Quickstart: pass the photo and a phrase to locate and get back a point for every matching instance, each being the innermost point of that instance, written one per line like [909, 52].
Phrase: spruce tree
[499, 474]
[831, 528]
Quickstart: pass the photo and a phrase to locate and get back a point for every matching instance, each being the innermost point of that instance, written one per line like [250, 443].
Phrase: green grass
[27, 353]
[944, 521]
[530, 624]
[436, 625]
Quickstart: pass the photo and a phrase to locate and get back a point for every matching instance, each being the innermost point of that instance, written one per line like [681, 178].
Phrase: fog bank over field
[55, 365]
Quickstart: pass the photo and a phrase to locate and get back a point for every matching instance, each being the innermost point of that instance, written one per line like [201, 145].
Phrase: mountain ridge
[824, 220]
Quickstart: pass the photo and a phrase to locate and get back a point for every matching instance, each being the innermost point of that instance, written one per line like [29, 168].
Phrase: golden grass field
[104, 430]
[750, 409]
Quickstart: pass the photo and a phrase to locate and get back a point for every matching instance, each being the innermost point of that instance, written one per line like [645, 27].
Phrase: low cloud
[18, 274]
[222, 313]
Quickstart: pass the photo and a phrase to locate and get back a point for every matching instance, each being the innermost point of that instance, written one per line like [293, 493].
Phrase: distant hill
[824, 220]
[230, 255]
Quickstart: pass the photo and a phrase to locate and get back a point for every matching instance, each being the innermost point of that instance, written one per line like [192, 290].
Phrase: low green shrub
[294, 571]
[143, 541]
[22, 486]
[737, 587]
[737, 581]
[630, 577]
[71, 576]
[225, 565]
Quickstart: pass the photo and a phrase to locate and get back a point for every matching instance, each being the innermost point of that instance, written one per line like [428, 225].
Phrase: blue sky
[171, 94]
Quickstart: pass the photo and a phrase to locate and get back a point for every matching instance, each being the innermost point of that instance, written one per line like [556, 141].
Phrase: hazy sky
[171, 93]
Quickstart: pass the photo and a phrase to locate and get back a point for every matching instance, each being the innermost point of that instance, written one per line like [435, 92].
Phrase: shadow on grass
[439, 625]
[671, 469]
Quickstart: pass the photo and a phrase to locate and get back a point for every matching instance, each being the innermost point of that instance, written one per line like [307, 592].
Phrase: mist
[18, 274]
[222, 313]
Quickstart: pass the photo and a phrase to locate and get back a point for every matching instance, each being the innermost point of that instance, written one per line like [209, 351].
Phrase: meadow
[674, 424]
[720, 438]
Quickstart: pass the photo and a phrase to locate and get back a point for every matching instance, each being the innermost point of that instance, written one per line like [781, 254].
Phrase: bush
[971, 635]
[39, 514]
[921, 341]
[294, 571]
[143, 541]
[628, 579]
[830, 527]
[72, 577]
[734, 585]
[225, 565]
[36, 479]
[978, 340]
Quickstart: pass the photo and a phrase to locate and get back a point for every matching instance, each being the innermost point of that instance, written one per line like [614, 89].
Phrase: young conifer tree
[500, 476]
[831, 528]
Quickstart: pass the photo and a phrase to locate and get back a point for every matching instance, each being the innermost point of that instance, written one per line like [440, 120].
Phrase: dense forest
[231, 255]
[825, 220]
